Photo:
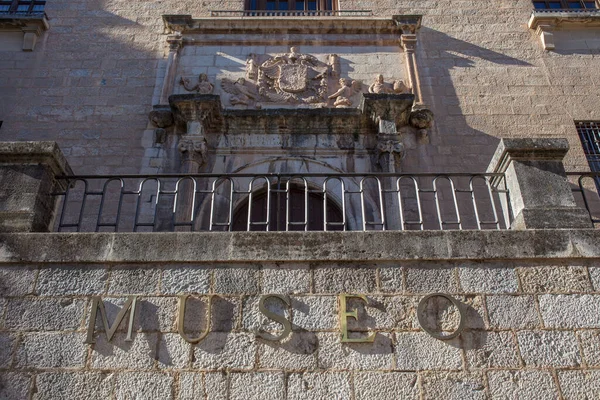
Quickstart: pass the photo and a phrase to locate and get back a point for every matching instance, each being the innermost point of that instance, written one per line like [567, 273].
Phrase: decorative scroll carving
[202, 87]
[193, 148]
[379, 86]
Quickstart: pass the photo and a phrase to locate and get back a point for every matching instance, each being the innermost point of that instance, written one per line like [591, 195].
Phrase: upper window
[564, 4]
[22, 6]
[290, 5]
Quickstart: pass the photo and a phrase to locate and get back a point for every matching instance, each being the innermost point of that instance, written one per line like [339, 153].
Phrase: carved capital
[409, 42]
[193, 149]
[161, 116]
[175, 41]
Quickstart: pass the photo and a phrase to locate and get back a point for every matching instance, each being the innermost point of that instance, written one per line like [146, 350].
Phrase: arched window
[302, 207]
[290, 5]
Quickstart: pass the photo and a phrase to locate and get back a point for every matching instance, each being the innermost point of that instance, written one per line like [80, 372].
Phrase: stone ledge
[298, 246]
[34, 153]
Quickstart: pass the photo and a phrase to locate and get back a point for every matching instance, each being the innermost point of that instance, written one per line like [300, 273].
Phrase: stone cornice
[32, 25]
[558, 17]
[35, 153]
[148, 248]
[397, 24]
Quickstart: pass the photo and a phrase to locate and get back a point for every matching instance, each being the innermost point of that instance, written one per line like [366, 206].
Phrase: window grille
[290, 5]
[22, 6]
[564, 5]
[589, 133]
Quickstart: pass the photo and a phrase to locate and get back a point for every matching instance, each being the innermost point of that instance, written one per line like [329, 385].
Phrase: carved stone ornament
[348, 89]
[290, 78]
[161, 116]
[379, 86]
[421, 118]
[391, 152]
[203, 86]
[193, 149]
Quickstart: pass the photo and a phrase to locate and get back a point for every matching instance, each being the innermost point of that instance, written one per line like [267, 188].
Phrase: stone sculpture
[347, 90]
[243, 92]
[379, 86]
[202, 87]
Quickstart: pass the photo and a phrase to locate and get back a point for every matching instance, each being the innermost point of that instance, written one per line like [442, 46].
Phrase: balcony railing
[283, 202]
[293, 13]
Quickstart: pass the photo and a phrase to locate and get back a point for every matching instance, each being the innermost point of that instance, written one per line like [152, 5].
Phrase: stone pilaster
[540, 196]
[27, 181]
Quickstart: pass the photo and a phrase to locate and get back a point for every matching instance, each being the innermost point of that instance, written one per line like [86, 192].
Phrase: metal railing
[586, 189]
[283, 202]
[293, 13]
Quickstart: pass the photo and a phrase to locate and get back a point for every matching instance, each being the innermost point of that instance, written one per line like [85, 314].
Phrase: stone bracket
[543, 22]
[32, 27]
[204, 108]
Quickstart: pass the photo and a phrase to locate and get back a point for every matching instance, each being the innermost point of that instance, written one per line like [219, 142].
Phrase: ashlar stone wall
[532, 328]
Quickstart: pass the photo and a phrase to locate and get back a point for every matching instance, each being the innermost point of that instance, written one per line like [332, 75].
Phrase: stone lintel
[222, 247]
[35, 153]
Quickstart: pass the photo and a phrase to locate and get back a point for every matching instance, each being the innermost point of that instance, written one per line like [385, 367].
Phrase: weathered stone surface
[452, 385]
[590, 345]
[384, 312]
[8, 343]
[386, 385]
[549, 348]
[71, 280]
[14, 385]
[553, 279]
[243, 386]
[17, 280]
[595, 276]
[173, 351]
[485, 349]
[297, 352]
[512, 312]
[179, 279]
[117, 354]
[320, 386]
[333, 354]
[579, 384]
[314, 313]
[236, 280]
[51, 350]
[74, 385]
[253, 320]
[534, 385]
[330, 278]
[570, 311]
[487, 279]
[194, 385]
[224, 313]
[225, 350]
[144, 385]
[417, 351]
[391, 278]
[44, 314]
[427, 279]
[285, 278]
[133, 280]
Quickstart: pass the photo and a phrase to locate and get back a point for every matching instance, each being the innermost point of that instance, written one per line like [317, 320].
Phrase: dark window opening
[289, 5]
[22, 6]
[589, 133]
[293, 218]
[564, 4]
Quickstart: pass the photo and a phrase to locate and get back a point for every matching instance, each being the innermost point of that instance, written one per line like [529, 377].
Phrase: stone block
[51, 350]
[181, 279]
[579, 384]
[453, 385]
[554, 279]
[512, 312]
[386, 385]
[320, 386]
[595, 276]
[173, 351]
[384, 312]
[8, 341]
[116, 354]
[343, 278]
[253, 320]
[391, 279]
[58, 281]
[74, 385]
[224, 313]
[313, 313]
[245, 386]
[44, 314]
[134, 280]
[487, 279]
[236, 280]
[152, 314]
[298, 351]
[549, 348]
[285, 278]
[14, 385]
[17, 280]
[530, 385]
[590, 345]
[485, 349]
[333, 354]
[570, 311]
[223, 350]
[431, 278]
[144, 385]
[416, 351]
[194, 385]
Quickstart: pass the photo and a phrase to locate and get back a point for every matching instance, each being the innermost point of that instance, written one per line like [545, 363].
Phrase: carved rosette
[193, 149]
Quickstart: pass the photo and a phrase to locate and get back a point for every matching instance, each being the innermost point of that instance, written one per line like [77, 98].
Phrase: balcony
[293, 13]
